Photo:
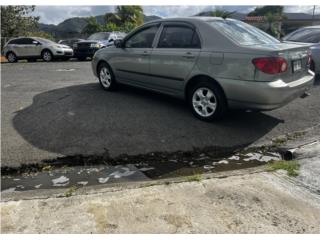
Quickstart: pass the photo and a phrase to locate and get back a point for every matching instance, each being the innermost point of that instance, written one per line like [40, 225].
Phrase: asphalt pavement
[57, 109]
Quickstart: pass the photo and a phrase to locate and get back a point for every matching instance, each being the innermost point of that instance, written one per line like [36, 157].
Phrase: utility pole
[314, 9]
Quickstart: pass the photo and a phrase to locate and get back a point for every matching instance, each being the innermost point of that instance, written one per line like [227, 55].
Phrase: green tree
[221, 13]
[264, 10]
[92, 26]
[110, 27]
[126, 17]
[40, 34]
[274, 16]
[16, 20]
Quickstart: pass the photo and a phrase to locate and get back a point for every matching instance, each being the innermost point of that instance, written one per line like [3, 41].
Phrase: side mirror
[118, 43]
[35, 43]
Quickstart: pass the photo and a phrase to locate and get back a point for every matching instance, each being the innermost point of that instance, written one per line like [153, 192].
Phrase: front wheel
[106, 77]
[47, 56]
[207, 101]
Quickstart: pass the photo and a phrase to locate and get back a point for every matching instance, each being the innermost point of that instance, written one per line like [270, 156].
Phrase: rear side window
[142, 39]
[242, 33]
[14, 41]
[178, 37]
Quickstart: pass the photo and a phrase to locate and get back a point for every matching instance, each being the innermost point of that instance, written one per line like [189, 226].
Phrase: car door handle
[188, 55]
[145, 53]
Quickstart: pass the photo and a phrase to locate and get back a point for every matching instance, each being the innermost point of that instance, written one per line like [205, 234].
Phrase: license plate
[296, 65]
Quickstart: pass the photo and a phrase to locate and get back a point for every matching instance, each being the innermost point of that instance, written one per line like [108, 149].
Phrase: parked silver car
[32, 48]
[308, 35]
[213, 63]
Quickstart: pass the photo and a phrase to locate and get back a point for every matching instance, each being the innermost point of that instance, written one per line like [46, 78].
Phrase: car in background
[213, 63]
[33, 48]
[87, 48]
[70, 42]
[308, 35]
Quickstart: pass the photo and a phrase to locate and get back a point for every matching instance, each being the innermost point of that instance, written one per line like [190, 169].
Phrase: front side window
[28, 41]
[142, 39]
[178, 37]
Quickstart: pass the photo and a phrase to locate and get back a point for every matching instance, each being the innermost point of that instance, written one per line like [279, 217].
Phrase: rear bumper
[265, 95]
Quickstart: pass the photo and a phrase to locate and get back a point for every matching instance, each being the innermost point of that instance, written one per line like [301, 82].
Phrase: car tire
[106, 77]
[47, 56]
[207, 100]
[11, 57]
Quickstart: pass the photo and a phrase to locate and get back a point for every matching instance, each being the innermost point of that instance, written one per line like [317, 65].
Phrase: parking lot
[58, 109]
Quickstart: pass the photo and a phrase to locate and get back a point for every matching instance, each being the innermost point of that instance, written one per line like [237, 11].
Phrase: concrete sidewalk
[251, 203]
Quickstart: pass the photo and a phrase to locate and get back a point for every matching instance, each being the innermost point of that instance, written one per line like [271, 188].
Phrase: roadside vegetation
[292, 167]
[125, 19]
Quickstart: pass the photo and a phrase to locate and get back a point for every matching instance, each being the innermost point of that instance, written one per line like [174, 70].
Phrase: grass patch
[194, 178]
[292, 167]
[279, 141]
[70, 191]
[47, 168]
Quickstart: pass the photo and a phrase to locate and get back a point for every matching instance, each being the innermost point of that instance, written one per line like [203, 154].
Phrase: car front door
[174, 57]
[132, 64]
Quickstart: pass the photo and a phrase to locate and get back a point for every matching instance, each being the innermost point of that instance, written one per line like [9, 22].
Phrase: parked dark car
[87, 48]
[308, 35]
[70, 42]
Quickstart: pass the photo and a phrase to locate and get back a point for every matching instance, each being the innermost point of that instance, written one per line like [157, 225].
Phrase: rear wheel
[106, 77]
[12, 58]
[207, 100]
[47, 56]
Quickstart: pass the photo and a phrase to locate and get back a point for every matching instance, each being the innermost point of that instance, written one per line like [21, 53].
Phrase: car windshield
[46, 41]
[308, 35]
[242, 33]
[99, 36]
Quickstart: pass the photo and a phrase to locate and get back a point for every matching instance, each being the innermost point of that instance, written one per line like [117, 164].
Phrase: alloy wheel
[47, 56]
[204, 102]
[105, 77]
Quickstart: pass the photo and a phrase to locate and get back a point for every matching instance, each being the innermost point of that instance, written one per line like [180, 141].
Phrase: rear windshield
[242, 33]
[99, 36]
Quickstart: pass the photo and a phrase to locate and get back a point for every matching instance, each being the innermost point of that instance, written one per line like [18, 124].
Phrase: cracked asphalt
[58, 109]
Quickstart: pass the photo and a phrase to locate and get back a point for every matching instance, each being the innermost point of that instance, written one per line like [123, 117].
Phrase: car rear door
[20, 47]
[131, 65]
[175, 56]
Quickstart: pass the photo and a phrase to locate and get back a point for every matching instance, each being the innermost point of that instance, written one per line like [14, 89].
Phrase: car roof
[316, 26]
[190, 19]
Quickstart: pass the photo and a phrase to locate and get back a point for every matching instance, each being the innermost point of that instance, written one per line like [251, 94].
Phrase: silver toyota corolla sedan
[213, 63]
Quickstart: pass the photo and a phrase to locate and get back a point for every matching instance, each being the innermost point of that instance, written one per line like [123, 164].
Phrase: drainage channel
[174, 165]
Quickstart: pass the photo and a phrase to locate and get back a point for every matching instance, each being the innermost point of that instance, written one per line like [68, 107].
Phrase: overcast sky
[56, 14]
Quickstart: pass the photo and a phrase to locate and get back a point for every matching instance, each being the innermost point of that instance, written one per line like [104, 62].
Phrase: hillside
[72, 27]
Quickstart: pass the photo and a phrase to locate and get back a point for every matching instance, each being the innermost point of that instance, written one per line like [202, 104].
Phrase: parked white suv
[32, 48]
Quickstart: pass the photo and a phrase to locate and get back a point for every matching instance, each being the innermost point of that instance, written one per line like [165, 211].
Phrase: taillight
[271, 65]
